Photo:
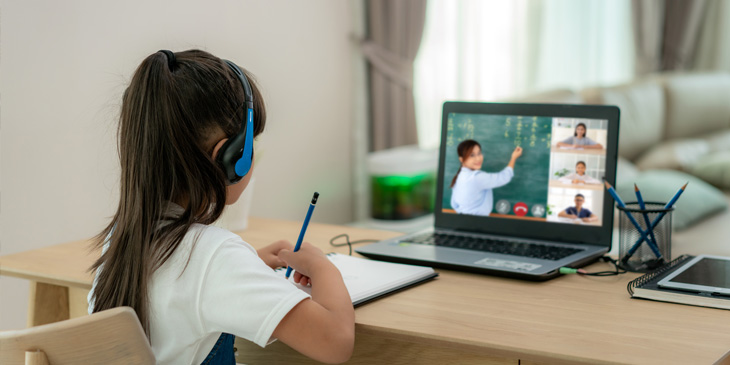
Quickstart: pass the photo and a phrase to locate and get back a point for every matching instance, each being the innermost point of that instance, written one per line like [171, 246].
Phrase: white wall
[64, 65]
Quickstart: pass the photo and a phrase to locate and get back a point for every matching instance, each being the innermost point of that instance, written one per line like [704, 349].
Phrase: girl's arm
[596, 146]
[270, 253]
[592, 145]
[568, 142]
[322, 328]
[567, 179]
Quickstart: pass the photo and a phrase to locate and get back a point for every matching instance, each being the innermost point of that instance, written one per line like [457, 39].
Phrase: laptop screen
[516, 168]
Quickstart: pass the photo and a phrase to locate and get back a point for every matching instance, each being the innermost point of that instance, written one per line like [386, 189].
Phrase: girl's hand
[323, 327]
[305, 262]
[270, 253]
[301, 279]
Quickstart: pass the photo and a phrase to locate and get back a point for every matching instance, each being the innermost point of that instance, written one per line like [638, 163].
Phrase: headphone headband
[248, 94]
[236, 155]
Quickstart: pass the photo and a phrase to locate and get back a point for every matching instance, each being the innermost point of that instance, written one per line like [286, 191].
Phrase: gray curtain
[713, 51]
[666, 33]
[395, 29]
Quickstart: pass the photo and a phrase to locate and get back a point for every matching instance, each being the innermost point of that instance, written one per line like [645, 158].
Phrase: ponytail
[453, 181]
[464, 150]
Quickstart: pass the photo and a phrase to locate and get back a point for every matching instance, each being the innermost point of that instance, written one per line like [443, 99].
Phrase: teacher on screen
[472, 187]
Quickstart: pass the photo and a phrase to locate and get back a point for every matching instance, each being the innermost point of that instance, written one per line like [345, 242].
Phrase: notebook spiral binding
[650, 276]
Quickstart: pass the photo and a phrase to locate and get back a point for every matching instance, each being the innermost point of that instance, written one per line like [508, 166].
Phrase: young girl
[194, 286]
[579, 176]
[580, 140]
[472, 187]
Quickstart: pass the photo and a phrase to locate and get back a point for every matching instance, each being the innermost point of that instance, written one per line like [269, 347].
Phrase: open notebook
[367, 279]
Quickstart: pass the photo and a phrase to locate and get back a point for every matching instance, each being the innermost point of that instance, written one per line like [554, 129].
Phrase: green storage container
[403, 182]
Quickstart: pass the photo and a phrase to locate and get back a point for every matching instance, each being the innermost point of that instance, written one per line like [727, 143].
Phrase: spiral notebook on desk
[647, 287]
[367, 279]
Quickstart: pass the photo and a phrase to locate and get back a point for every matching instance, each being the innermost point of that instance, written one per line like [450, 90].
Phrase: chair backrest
[107, 337]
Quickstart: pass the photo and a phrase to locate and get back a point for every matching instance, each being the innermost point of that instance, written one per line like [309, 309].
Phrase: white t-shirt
[225, 287]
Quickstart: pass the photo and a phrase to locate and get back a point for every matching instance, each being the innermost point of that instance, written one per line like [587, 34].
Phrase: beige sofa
[675, 127]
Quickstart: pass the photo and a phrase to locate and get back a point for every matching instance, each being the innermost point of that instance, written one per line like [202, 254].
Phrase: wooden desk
[457, 318]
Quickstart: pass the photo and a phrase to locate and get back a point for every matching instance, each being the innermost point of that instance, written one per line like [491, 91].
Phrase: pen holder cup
[635, 253]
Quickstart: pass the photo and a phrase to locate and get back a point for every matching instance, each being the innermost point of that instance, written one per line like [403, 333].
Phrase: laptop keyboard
[524, 249]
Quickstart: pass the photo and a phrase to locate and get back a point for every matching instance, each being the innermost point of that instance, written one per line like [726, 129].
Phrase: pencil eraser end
[314, 198]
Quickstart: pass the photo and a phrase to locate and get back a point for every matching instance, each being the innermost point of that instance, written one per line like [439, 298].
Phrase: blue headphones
[236, 155]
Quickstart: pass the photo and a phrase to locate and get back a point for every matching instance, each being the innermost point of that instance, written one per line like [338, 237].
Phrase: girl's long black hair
[169, 114]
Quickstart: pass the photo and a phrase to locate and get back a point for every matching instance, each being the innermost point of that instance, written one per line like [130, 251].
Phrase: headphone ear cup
[227, 161]
[243, 165]
[235, 157]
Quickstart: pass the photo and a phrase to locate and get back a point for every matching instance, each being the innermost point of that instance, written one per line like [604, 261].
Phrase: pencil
[304, 229]
[644, 235]
[656, 220]
[653, 244]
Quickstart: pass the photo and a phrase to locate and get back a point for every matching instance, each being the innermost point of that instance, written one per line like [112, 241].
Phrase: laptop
[549, 210]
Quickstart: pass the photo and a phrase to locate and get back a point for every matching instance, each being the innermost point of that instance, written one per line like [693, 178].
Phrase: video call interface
[525, 167]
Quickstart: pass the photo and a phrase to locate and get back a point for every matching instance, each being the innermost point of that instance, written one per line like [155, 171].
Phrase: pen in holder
[637, 250]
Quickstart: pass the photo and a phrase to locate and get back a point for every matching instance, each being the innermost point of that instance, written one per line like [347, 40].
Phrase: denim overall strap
[222, 352]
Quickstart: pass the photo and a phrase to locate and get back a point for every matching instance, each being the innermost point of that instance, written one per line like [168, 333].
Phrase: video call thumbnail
[525, 167]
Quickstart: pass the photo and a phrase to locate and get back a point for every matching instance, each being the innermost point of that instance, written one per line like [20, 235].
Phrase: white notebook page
[365, 278]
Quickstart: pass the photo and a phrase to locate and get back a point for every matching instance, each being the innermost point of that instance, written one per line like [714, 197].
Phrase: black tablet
[703, 274]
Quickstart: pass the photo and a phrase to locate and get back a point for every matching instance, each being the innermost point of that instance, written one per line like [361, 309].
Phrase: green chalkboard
[499, 135]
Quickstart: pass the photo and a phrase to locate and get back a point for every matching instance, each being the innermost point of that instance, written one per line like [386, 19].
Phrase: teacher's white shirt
[472, 192]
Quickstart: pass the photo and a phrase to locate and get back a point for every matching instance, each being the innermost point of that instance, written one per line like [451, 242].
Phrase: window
[478, 50]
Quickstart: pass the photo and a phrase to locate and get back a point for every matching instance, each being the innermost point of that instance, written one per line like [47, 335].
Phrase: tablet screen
[703, 274]
[706, 272]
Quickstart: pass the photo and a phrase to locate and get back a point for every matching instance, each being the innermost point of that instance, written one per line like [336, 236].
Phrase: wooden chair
[112, 336]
